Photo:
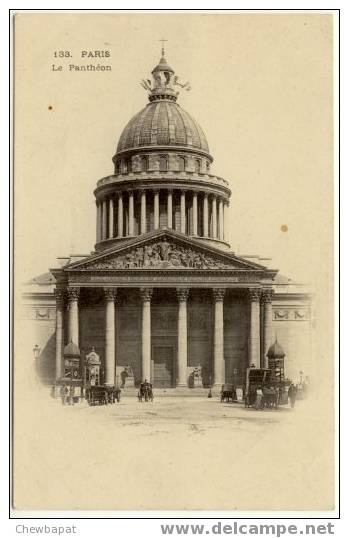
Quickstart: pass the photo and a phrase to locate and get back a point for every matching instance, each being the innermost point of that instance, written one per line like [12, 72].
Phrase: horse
[146, 392]
[270, 397]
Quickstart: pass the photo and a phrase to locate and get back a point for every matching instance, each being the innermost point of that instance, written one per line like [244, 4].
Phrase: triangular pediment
[165, 249]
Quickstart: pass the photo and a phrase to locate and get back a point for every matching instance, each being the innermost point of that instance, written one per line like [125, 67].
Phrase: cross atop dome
[163, 41]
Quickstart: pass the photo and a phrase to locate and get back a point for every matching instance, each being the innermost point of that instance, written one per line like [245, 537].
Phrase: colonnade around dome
[138, 211]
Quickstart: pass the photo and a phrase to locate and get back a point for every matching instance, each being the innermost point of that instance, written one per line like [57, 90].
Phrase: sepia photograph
[173, 262]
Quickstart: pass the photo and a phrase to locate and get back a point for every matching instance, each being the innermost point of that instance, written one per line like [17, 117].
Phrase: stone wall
[38, 327]
[291, 325]
[200, 326]
[236, 333]
[128, 338]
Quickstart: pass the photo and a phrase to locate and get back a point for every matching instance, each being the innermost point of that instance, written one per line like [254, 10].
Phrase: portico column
[100, 205]
[156, 209]
[146, 294]
[111, 218]
[169, 208]
[220, 220]
[182, 212]
[120, 216]
[225, 206]
[267, 300]
[205, 215]
[182, 335]
[98, 223]
[254, 340]
[73, 315]
[59, 294]
[214, 217]
[110, 296]
[104, 226]
[130, 213]
[195, 213]
[218, 337]
[143, 212]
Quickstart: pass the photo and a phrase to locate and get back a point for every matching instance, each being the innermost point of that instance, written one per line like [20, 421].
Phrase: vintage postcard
[173, 254]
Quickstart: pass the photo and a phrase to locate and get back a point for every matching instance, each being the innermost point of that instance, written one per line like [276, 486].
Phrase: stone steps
[172, 392]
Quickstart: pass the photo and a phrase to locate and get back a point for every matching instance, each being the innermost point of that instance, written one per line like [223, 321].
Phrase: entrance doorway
[163, 366]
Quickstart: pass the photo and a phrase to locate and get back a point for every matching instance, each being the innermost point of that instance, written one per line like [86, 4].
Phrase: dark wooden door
[163, 366]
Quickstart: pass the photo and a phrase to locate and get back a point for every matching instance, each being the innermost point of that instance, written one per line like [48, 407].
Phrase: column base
[182, 385]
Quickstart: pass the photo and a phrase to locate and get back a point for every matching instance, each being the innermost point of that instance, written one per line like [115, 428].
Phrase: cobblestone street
[172, 454]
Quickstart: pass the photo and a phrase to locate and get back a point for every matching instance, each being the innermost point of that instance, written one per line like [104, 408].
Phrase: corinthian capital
[109, 294]
[73, 293]
[254, 294]
[218, 294]
[182, 294]
[146, 293]
[267, 295]
[59, 295]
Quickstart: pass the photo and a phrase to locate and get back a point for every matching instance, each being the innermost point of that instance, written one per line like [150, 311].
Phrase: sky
[261, 91]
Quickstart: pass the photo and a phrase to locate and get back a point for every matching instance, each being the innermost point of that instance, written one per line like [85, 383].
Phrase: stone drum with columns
[162, 292]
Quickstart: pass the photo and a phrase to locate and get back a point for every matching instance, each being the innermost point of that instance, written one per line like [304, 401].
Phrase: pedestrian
[259, 402]
[64, 395]
[71, 395]
[292, 394]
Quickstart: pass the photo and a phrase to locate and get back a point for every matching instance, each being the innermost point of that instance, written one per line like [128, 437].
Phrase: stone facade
[162, 292]
[290, 322]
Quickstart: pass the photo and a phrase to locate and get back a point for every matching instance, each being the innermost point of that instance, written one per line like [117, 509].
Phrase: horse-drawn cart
[145, 392]
[102, 395]
[265, 388]
[228, 392]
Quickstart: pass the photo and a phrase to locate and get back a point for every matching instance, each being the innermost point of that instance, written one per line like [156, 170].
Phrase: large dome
[162, 123]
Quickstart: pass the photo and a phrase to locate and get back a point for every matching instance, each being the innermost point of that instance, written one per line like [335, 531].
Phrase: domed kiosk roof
[92, 358]
[276, 351]
[162, 123]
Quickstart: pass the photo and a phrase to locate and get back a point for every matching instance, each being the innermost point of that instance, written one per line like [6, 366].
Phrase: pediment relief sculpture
[162, 255]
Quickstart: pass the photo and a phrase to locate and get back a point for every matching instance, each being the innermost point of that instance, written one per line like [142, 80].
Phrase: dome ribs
[154, 129]
[203, 141]
[126, 138]
[171, 125]
[191, 127]
[181, 137]
[162, 123]
[163, 137]
[187, 128]
[144, 126]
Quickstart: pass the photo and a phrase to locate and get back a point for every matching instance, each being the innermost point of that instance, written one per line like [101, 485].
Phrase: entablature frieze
[174, 183]
[172, 279]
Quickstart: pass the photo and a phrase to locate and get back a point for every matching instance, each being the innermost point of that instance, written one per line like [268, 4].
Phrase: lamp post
[235, 373]
[36, 352]
[210, 391]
